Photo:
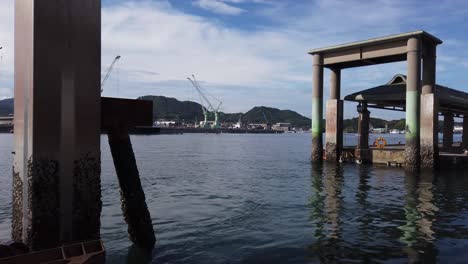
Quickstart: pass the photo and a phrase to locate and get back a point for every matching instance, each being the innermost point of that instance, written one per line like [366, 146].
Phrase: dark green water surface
[258, 199]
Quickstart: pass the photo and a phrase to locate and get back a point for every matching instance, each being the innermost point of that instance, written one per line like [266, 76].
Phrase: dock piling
[412, 135]
[135, 210]
[317, 109]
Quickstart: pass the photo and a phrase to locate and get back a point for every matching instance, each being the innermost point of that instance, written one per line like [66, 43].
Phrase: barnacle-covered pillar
[56, 170]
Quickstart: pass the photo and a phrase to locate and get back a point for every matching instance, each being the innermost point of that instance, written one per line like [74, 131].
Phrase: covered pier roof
[392, 96]
[372, 51]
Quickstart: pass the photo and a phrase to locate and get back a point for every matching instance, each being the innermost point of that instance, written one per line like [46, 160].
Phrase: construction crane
[268, 123]
[108, 72]
[203, 97]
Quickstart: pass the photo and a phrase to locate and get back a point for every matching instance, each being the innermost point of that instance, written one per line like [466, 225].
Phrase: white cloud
[220, 7]
[266, 64]
[6, 93]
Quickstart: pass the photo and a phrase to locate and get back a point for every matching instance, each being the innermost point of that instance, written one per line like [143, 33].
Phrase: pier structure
[57, 168]
[418, 48]
[59, 117]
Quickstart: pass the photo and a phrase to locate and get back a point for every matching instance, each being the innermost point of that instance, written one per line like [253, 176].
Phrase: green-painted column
[413, 82]
[317, 108]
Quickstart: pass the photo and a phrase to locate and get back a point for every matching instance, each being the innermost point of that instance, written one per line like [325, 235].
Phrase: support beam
[362, 152]
[132, 196]
[335, 83]
[465, 132]
[334, 130]
[412, 136]
[317, 108]
[334, 119]
[448, 131]
[429, 110]
[56, 171]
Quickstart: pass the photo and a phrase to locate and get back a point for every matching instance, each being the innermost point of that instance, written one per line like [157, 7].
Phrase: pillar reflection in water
[417, 233]
[361, 197]
[326, 205]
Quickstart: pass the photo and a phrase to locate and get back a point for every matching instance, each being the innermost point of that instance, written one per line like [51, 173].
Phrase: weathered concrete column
[412, 148]
[317, 108]
[465, 132]
[362, 151]
[56, 171]
[334, 119]
[429, 110]
[448, 131]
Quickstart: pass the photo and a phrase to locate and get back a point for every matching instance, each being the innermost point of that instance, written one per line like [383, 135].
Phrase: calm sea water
[257, 199]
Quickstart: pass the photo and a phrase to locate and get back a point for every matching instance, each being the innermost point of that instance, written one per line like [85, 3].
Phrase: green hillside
[173, 109]
[274, 115]
[6, 107]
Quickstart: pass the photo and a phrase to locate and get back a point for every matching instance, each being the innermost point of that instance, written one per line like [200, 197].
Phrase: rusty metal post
[135, 210]
[412, 136]
[448, 131]
[429, 110]
[56, 171]
[334, 119]
[317, 108]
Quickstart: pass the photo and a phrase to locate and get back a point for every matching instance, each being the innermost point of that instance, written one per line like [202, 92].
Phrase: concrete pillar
[335, 83]
[412, 148]
[465, 132]
[362, 151]
[56, 171]
[334, 119]
[317, 108]
[448, 131]
[429, 110]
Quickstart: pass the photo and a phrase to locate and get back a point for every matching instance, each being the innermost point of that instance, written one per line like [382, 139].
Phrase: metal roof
[372, 41]
[393, 96]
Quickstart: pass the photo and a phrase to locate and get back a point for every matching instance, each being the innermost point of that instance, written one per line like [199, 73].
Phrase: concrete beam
[412, 136]
[56, 171]
[317, 108]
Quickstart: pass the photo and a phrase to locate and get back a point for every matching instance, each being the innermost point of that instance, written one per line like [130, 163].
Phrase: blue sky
[254, 52]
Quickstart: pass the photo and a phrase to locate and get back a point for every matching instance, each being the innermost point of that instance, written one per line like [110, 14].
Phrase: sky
[254, 52]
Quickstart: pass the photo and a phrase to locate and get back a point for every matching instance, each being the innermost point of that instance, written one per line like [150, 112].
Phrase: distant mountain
[258, 114]
[6, 107]
[173, 109]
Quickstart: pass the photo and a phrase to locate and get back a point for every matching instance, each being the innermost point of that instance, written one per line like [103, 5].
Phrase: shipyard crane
[204, 124]
[268, 123]
[108, 72]
[203, 97]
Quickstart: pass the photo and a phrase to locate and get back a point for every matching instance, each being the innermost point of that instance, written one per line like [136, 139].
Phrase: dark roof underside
[393, 96]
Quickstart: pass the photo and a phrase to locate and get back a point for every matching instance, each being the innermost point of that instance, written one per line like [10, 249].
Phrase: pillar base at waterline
[334, 134]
